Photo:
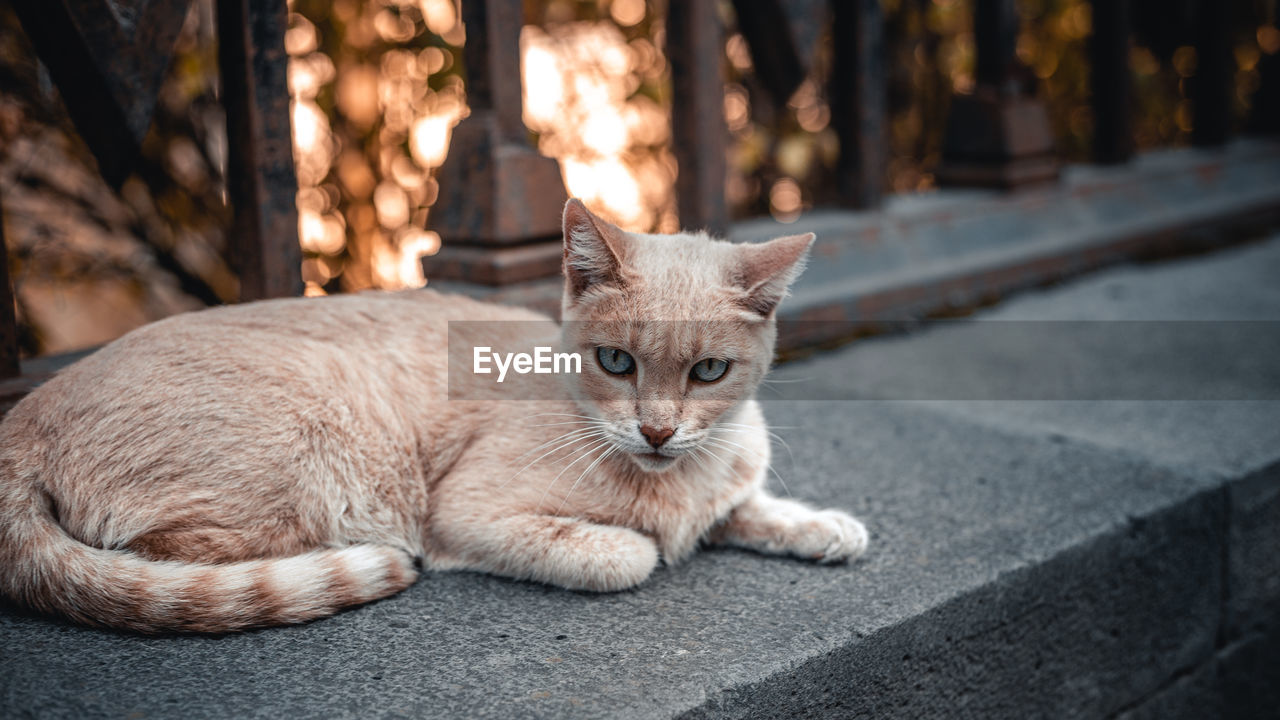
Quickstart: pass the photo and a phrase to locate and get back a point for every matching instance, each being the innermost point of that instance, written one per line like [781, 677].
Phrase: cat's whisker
[704, 453]
[693, 455]
[583, 455]
[719, 442]
[785, 446]
[554, 414]
[756, 427]
[732, 453]
[742, 428]
[582, 438]
[580, 453]
[768, 384]
[717, 458]
[730, 443]
[590, 467]
[784, 482]
[558, 438]
[570, 440]
[791, 457]
[751, 428]
[727, 429]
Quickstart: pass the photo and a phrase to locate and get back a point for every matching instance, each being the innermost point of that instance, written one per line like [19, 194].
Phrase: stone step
[1030, 558]
[951, 250]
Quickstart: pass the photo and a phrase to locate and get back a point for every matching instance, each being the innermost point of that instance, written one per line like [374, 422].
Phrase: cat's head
[675, 331]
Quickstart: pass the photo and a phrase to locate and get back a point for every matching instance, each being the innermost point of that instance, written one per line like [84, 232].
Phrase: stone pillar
[1000, 135]
[498, 212]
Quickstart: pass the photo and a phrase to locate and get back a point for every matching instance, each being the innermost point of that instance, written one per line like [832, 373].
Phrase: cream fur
[273, 462]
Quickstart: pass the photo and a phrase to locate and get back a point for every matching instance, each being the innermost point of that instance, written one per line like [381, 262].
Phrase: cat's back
[265, 373]
[284, 341]
[365, 321]
[248, 411]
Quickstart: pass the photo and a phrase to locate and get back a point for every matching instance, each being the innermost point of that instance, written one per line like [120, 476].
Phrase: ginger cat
[273, 462]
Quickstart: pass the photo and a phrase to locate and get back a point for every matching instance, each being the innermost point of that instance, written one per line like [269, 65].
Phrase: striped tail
[44, 568]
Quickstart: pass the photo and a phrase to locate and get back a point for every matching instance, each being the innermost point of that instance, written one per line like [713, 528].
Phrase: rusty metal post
[1000, 135]
[108, 60]
[694, 38]
[1111, 81]
[492, 56]
[260, 175]
[500, 202]
[9, 366]
[1264, 119]
[780, 61]
[1212, 84]
[857, 91]
[995, 34]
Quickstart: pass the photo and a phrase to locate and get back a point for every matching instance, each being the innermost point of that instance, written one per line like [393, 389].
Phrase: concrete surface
[958, 245]
[923, 254]
[1029, 558]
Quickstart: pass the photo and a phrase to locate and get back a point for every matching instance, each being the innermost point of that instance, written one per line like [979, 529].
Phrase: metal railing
[999, 135]
[499, 200]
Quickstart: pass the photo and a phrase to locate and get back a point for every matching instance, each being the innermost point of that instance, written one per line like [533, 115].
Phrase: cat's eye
[709, 370]
[616, 361]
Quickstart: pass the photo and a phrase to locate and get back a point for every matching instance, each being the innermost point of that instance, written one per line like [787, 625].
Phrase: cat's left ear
[768, 269]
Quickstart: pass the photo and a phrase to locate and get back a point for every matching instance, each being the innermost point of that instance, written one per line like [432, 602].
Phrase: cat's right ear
[592, 249]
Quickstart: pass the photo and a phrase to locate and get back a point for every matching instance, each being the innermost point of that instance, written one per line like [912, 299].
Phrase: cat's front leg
[569, 552]
[776, 526]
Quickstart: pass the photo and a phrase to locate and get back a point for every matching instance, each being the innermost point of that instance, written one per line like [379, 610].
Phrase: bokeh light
[377, 88]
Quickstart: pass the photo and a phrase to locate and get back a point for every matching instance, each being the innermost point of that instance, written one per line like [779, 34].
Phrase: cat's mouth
[653, 460]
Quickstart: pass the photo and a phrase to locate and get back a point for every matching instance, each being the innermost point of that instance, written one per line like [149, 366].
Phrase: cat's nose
[656, 436]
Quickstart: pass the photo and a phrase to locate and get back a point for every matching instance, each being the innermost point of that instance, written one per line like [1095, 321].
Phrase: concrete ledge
[1065, 559]
[1239, 681]
[1253, 572]
[951, 250]
[1079, 635]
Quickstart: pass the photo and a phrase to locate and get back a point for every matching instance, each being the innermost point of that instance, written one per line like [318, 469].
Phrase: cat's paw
[831, 536]
[612, 559]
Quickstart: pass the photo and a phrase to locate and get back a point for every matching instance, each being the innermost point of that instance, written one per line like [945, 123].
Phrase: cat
[274, 462]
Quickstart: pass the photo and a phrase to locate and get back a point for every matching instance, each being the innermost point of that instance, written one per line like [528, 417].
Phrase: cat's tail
[44, 568]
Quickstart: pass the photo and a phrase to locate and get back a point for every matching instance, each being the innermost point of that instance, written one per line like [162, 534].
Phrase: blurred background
[377, 87]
